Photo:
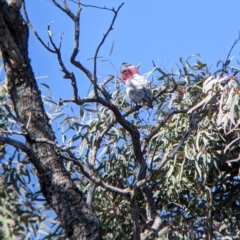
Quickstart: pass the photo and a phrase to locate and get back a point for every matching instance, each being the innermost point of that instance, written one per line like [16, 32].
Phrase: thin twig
[23, 148]
[93, 6]
[97, 181]
[34, 31]
[78, 64]
[100, 45]
[76, 34]
[234, 44]
[67, 74]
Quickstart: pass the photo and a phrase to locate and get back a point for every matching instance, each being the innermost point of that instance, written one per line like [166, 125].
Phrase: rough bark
[78, 220]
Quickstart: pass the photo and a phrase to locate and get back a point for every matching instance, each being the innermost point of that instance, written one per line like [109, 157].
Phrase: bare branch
[100, 45]
[64, 9]
[78, 64]
[67, 74]
[93, 6]
[23, 148]
[16, 144]
[34, 31]
[226, 63]
[76, 21]
[97, 181]
[56, 50]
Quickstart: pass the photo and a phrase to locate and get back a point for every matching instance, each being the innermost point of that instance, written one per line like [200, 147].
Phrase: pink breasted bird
[137, 87]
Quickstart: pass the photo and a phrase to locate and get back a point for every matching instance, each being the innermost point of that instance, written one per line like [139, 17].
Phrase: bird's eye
[124, 71]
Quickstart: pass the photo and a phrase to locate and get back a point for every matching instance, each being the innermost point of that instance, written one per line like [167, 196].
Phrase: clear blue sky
[162, 31]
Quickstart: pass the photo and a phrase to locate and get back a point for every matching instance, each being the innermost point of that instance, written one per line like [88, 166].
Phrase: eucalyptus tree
[120, 172]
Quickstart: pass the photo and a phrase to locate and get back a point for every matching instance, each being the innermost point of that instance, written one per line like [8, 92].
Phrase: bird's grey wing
[135, 90]
[146, 92]
[145, 85]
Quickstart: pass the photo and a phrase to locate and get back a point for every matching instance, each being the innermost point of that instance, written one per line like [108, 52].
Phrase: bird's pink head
[127, 71]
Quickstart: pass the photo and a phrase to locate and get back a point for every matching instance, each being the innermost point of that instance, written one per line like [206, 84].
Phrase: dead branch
[34, 31]
[101, 43]
[93, 6]
[97, 181]
[67, 74]
[64, 9]
[19, 145]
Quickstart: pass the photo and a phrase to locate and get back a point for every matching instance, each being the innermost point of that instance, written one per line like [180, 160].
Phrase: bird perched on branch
[137, 87]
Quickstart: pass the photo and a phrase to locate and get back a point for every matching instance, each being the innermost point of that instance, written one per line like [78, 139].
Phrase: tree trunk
[64, 197]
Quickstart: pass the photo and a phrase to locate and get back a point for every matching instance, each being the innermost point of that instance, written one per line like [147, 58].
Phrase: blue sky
[162, 31]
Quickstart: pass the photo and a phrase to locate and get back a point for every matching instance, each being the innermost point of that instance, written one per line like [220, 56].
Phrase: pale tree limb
[148, 198]
[91, 161]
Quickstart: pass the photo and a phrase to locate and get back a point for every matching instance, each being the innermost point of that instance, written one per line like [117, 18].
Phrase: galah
[137, 87]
